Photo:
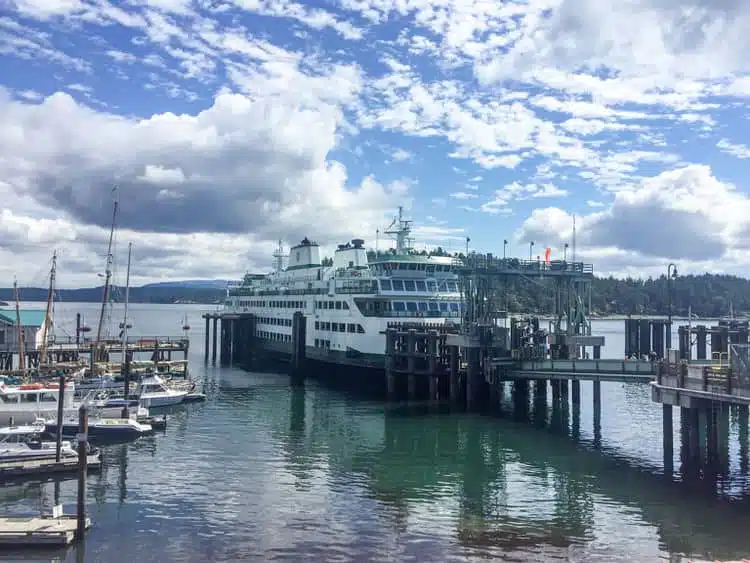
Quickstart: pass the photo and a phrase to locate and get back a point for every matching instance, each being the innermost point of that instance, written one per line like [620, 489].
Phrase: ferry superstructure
[349, 303]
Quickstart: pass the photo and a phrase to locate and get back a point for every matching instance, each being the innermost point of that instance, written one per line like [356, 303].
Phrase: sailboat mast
[127, 298]
[21, 358]
[48, 314]
[107, 275]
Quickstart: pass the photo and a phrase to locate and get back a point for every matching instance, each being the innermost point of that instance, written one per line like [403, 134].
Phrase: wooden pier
[71, 353]
[41, 531]
[16, 469]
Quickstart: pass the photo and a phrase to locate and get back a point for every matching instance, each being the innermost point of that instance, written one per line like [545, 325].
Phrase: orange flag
[546, 255]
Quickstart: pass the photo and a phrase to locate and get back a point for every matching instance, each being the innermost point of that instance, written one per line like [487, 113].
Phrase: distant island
[209, 292]
[708, 295]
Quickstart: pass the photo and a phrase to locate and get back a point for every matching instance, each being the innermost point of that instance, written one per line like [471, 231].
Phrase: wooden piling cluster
[697, 342]
[706, 395]
[418, 354]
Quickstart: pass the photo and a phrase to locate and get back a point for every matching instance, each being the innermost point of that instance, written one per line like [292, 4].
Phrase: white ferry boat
[348, 304]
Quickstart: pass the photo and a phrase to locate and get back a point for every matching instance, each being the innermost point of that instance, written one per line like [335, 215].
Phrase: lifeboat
[31, 386]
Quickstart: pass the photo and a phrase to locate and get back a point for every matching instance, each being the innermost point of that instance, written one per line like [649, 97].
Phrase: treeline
[708, 295]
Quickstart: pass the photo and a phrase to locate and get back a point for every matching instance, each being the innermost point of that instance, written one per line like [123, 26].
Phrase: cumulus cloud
[683, 215]
[230, 139]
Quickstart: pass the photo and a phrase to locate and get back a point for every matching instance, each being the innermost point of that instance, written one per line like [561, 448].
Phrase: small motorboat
[155, 393]
[23, 443]
[104, 428]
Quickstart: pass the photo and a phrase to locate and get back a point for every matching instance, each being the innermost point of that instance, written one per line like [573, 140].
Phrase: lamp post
[531, 249]
[565, 252]
[671, 275]
[505, 244]
[468, 240]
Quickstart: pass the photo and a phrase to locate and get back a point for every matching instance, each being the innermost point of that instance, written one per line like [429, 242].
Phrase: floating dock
[12, 469]
[39, 531]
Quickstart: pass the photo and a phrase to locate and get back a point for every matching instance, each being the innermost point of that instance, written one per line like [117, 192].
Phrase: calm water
[264, 472]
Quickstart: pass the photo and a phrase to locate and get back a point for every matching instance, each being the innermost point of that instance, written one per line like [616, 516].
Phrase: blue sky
[229, 124]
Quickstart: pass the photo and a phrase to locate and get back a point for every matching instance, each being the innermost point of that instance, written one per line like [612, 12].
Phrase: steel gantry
[487, 282]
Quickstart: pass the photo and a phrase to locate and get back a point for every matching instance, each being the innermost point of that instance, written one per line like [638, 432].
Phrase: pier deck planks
[39, 531]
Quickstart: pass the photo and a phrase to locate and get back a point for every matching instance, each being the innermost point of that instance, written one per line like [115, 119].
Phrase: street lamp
[505, 244]
[565, 252]
[531, 249]
[671, 275]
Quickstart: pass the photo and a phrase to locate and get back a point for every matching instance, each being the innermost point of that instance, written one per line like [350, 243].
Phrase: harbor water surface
[264, 471]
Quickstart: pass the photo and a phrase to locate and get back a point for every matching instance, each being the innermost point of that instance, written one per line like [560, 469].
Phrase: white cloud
[462, 195]
[684, 215]
[738, 150]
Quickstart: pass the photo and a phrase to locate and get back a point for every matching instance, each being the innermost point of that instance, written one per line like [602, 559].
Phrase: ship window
[402, 267]
[430, 269]
[330, 304]
[431, 286]
[398, 285]
[433, 306]
[422, 305]
[342, 327]
[399, 306]
[335, 327]
[48, 398]
[421, 286]
[351, 328]
[328, 326]
[411, 306]
[454, 306]
[443, 307]
[360, 329]
[412, 266]
[344, 305]
[441, 286]
[351, 263]
[317, 325]
[8, 399]
[29, 398]
[409, 285]
[452, 286]
[316, 342]
[338, 305]
[385, 285]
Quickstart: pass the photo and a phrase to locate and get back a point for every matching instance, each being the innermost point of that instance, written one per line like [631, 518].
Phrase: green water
[263, 471]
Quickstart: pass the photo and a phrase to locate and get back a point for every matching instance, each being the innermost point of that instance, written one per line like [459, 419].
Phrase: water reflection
[508, 487]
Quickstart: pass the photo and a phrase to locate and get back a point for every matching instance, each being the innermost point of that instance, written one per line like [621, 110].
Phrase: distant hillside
[168, 292]
[195, 284]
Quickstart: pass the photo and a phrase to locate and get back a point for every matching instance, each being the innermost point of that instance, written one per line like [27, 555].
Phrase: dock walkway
[39, 531]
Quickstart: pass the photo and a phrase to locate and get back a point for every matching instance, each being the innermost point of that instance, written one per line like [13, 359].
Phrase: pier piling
[668, 432]
[299, 339]
[213, 348]
[83, 426]
[207, 336]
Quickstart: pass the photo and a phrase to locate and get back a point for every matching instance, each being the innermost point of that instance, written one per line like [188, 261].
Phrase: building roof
[29, 317]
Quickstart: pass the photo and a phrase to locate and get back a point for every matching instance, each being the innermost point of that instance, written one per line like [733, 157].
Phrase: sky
[226, 125]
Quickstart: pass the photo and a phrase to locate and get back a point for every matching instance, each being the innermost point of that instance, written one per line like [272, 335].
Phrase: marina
[440, 347]
[384, 461]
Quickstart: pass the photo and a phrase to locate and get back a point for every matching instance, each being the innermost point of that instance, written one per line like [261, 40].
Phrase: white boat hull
[162, 400]
[23, 416]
